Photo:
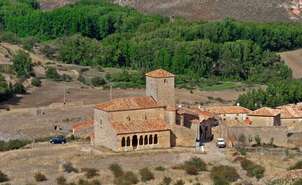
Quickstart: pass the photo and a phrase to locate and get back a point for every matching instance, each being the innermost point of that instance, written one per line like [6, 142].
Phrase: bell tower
[160, 85]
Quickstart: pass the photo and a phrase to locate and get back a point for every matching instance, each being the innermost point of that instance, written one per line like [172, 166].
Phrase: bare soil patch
[294, 60]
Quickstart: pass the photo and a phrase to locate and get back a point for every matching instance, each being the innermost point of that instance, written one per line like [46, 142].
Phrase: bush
[68, 167]
[86, 182]
[116, 169]
[296, 166]
[29, 43]
[36, 82]
[98, 81]
[13, 144]
[9, 37]
[179, 182]
[48, 51]
[160, 168]
[194, 165]
[146, 174]
[3, 177]
[242, 151]
[90, 172]
[127, 178]
[166, 181]
[61, 180]
[40, 177]
[253, 170]
[298, 182]
[22, 64]
[258, 140]
[224, 175]
[19, 88]
[53, 74]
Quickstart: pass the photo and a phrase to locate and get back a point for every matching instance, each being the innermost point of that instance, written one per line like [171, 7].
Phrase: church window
[155, 139]
[150, 139]
[128, 118]
[123, 142]
[141, 140]
[146, 140]
[165, 80]
[128, 141]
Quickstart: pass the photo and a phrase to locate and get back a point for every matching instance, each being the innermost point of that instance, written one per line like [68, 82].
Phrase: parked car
[58, 140]
[220, 143]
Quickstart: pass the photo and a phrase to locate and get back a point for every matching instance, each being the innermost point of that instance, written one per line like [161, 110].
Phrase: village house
[265, 116]
[228, 112]
[291, 116]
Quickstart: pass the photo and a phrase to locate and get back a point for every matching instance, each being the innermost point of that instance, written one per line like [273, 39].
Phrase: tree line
[94, 32]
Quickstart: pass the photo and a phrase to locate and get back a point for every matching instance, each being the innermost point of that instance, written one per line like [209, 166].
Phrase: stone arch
[150, 139]
[141, 140]
[123, 142]
[146, 140]
[134, 141]
[155, 139]
[128, 141]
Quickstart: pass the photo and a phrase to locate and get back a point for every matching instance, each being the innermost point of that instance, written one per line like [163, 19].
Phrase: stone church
[151, 121]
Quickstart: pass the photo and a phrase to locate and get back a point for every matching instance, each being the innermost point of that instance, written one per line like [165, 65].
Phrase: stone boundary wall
[279, 135]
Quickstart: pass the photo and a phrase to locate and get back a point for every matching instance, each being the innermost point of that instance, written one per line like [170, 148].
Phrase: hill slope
[294, 60]
[256, 10]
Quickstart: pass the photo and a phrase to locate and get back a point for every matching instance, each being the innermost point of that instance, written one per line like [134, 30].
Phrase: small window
[155, 139]
[123, 142]
[165, 80]
[145, 117]
[128, 141]
[141, 140]
[150, 139]
[146, 140]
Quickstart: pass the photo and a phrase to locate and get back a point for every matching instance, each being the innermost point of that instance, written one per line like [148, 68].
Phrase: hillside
[256, 10]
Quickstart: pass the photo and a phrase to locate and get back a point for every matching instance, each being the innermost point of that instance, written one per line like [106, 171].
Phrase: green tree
[22, 64]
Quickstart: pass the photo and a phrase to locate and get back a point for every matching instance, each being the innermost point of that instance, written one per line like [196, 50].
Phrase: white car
[220, 143]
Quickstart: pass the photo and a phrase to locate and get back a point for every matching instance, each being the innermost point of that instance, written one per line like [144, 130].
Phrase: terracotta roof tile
[128, 103]
[160, 73]
[226, 109]
[195, 111]
[82, 125]
[288, 112]
[265, 111]
[140, 126]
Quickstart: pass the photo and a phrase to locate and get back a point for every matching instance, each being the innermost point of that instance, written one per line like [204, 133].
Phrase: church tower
[160, 84]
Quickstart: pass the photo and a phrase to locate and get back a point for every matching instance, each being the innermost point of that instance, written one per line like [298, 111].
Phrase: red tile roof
[128, 103]
[247, 121]
[160, 73]
[265, 111]
[195, 111]
[82, 125]
[226, 109]
[289, 112]
[140, 126]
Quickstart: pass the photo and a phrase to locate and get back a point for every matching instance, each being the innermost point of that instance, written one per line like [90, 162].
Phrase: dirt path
[294, 60]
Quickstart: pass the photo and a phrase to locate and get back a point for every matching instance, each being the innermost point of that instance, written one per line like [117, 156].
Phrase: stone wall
[264, 120]
[104, 134]
[233, 116]
[293, 125]
[267, 134]
[295, 139]
[142, 114]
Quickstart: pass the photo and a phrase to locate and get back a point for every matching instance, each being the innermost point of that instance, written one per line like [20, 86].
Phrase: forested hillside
[98, 33]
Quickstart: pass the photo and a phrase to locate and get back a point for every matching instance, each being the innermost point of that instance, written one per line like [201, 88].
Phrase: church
[150, 121]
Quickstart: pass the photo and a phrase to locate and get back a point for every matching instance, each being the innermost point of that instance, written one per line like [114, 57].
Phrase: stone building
[291, 116]
[145, 122]
[265, 116]
[228, 112]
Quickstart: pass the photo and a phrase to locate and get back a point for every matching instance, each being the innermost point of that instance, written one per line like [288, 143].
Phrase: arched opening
[123, 142]
[155, 139]
[128, 141]
[141, 140]
[146, 140]
[150, 139]
[134, 141]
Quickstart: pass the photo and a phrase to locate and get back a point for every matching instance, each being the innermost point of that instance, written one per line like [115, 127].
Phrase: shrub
[22, 64]
[68, 167]
[146, 174]
[48, 51]
[9, 37]
[160, 168]
[298, 182]
[258, 140]
[61, 180]
[296, 166]
[179, 182]
[90, 172]
[242, 151]
[166, 181]
[36, 82]
[86, 182]
[40, 177]
[116, 169]
[224, 175]
[18, 88]
[13, 144]
[98, 81]
[28, 43]
[253, 170]
[53, 74]
[194, 165]
[3, 177]
[127, 178]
